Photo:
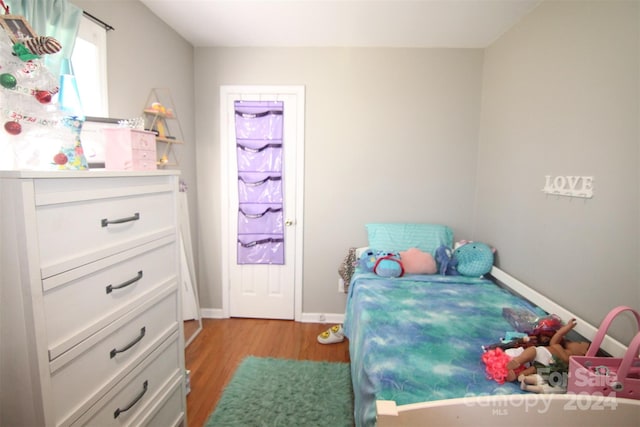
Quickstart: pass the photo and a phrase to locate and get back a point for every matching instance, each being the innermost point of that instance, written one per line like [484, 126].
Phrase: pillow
[396, 237]
[475, 259]
[415, 261]
[389, 265]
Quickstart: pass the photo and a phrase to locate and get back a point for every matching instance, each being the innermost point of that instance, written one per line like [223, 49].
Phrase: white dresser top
[94, 173]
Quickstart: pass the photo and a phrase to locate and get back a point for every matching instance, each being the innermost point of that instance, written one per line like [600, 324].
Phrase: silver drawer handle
[105, 221]
[129, 282]
[118, 411]
[131, 344]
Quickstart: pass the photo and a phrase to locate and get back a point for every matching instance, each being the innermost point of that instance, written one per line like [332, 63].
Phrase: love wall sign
[571, 186]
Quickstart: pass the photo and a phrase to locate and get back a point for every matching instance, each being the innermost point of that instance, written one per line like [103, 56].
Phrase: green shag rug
[277, 392]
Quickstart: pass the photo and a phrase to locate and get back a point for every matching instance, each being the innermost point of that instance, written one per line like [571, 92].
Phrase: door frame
[266, 93]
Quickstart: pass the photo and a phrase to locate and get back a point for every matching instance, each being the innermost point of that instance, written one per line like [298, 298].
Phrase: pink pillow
[415, 261]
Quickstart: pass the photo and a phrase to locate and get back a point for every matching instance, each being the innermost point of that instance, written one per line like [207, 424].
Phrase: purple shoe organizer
[260, 190]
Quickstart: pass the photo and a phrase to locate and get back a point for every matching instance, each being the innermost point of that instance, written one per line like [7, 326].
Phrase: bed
[416, 343]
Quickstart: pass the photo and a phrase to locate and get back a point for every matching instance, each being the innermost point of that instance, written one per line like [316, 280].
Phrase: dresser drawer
[168, 411]
[80, 302]
[73, 234]
[109, 355]
[140, 390]
[143, 155]
[143, 160]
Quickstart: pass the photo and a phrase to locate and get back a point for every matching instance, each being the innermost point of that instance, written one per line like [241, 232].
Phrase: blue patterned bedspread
[418, 338]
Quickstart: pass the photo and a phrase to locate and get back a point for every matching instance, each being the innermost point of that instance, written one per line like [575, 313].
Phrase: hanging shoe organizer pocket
[259, 188]
[260, 249]
[260, 218]
[259, 157]
[259, 147]
[258, 120]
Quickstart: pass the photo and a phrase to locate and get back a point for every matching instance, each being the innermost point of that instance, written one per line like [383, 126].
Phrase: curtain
[55, 18]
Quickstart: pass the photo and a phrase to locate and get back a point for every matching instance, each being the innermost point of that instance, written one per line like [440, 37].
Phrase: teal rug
[266, 392]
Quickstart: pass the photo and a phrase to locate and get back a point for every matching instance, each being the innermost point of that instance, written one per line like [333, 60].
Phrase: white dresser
[90, 311]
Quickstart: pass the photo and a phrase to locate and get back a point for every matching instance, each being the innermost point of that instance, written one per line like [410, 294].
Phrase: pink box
[130, 149]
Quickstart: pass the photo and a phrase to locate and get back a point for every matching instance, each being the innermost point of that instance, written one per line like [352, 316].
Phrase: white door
[272, 291]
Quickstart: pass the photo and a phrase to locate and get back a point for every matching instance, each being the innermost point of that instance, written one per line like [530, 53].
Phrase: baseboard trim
[322, 318]
[212, 313]
[217, 313]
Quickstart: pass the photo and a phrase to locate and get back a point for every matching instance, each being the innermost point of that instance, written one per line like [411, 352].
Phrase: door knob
[288, 222]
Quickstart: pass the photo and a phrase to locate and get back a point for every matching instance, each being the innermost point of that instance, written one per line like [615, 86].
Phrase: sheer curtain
[56, 18]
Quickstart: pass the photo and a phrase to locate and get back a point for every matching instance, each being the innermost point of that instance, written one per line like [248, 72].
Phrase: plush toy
[445, 261]
[389, 265]
[475, 259]
[367, 260]
[382, 263]
[415, 261]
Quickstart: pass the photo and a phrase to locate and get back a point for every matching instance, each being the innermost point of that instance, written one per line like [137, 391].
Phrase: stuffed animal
[445, 261]
[389, 265]
[475, 259]
[415, 261]
[368, 260]
[382, 263]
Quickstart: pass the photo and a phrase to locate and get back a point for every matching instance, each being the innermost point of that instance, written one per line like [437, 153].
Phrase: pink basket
[607, 376]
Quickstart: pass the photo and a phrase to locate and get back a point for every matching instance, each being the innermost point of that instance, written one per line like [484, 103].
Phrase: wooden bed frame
[520, 409]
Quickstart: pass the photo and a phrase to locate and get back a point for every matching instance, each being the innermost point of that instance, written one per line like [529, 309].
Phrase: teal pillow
[396, 237]
[475, 259]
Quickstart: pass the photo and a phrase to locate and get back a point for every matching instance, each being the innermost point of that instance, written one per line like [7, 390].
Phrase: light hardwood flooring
[214, 354]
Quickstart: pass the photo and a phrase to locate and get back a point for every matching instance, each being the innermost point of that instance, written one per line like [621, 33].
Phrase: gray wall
[560, 97]
[144, 53]
[390, 135]
[402, 131]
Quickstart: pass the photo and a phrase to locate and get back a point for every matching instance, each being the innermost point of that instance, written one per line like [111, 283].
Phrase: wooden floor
[215, 353]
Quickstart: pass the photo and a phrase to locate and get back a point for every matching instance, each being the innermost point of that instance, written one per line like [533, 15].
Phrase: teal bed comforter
[419, 338]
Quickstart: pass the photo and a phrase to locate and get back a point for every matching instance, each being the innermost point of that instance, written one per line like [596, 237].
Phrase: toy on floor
[334, 334]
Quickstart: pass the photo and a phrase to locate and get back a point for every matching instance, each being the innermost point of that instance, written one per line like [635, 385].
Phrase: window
[89, 61]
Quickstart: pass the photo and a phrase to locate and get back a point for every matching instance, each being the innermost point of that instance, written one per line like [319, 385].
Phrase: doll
[520, 362]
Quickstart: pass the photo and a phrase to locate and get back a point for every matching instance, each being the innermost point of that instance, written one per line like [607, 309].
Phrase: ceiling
[355, 23]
